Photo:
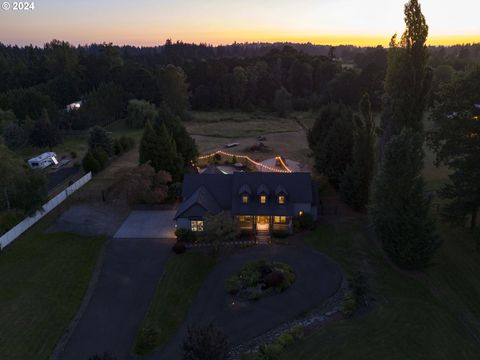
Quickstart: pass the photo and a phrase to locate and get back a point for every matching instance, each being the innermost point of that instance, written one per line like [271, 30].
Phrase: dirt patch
[90, 220]
[291, 145]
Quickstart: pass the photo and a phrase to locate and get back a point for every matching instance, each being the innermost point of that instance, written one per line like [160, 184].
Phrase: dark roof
[217, 192]
[281, 190]
[245, 189]
[201, 197]
[211, 169]
[263, 190]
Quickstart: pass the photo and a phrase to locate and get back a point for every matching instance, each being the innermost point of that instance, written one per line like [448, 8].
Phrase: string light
[220, 152]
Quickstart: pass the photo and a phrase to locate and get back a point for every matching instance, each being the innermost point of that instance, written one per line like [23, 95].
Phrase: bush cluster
[123, 144]
[95, 161]
[274, 350]
[260, 278]
[303, 222]
[185, 235]
[356, 296]
[179, 248]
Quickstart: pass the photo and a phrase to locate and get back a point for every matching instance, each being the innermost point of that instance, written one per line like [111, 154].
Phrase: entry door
[263, 222]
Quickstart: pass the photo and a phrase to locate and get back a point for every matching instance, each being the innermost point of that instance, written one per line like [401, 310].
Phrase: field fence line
[28, 222]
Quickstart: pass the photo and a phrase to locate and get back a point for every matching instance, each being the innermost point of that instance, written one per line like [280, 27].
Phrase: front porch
[264, 224]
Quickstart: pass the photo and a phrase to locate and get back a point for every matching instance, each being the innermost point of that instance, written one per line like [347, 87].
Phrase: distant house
[74, 106]
[259, 201]
[43, 161]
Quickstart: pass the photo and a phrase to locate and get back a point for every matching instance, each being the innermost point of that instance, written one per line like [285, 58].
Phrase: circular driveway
[318, 278]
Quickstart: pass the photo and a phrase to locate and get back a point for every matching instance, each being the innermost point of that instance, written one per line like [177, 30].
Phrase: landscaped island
[260, 278]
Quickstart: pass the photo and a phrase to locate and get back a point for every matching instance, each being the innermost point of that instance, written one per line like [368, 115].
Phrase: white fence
[20, 228]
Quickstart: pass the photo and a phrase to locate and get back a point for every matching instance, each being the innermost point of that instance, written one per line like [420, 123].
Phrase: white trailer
[43, 161]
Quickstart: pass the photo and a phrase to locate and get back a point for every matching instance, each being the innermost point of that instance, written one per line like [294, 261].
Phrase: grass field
[176, 291]
[43, 278]
[238, 124]
[429, 315]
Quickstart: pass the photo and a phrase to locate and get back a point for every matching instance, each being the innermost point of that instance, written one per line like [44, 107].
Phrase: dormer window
[263, 199]
[281, 199]
[244, 199]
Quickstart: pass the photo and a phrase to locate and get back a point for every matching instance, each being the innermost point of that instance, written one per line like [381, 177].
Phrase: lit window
[280, 219]
[245, 199]
[281, 199]
[196, 225]
[263, 199]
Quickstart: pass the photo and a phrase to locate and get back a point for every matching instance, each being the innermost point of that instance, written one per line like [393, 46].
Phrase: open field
[417, 315]
[238, 124]
[43, 280]
[183, 276]
[284, 136]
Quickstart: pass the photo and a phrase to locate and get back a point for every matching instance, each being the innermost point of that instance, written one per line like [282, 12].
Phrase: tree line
[378, 167]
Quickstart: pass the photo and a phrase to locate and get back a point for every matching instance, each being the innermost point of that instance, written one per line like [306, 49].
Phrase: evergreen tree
[99, 138]
[158, 147]
[186, 145]
[282, 103]
[174, 88]
[408, 78]
[44, 134]
[355, 185]
[456, 140]
[399, 209]
[14, 136]
[331, 140]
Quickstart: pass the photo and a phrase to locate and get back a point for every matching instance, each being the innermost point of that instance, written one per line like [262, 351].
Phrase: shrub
[102, 157]
[117, 147]
[286, 339]
[179, 248]
[270, 351]
[348, 304]
[274, 279]
[297, 332]
[89, 163]
[280, 234]
[303, 222]
[185, 235]
[9, 219]
[125, 143]
[131, 142]
[73, 154]
[232, 285]
[104, 356]
[175, 191]
[205, 342]
[147, 340]
[359, 286]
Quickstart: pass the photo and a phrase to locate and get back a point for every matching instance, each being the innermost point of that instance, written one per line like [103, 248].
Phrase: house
[259, 201]
[43, 161]
[74, 106]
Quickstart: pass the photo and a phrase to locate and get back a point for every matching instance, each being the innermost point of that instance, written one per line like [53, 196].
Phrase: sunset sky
[150, 22]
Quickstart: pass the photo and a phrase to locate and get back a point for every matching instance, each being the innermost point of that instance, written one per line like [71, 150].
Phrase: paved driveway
[148, 224]
[120, 299]
[318, 278]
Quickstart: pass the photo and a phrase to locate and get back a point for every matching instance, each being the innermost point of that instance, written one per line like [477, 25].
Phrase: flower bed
[260, 278]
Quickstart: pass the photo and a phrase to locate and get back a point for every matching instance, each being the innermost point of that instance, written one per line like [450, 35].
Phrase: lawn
[417, 315]
[176, 290]
[43, 281]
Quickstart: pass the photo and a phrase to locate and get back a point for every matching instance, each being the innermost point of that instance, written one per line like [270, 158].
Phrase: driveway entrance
[148, 225]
